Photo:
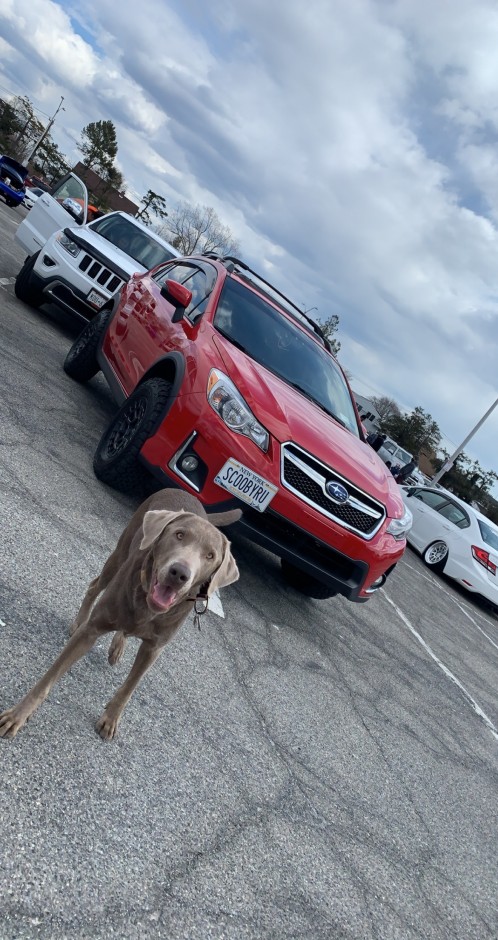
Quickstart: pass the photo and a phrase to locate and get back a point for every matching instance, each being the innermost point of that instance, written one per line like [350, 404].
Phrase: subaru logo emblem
[337, 491]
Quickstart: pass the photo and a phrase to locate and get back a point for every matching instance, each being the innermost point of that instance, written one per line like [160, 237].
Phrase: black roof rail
[245, 267]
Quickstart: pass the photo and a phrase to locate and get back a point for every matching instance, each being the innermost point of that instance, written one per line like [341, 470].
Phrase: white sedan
[453, 537]
[32, 194]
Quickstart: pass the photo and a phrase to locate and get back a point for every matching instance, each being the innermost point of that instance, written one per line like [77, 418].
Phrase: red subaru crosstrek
[229, 390]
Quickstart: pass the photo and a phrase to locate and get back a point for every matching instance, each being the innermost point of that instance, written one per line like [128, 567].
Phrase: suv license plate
[96, 299]
[247, 485]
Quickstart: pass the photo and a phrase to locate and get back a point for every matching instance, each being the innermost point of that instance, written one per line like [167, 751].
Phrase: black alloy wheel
[116, 460]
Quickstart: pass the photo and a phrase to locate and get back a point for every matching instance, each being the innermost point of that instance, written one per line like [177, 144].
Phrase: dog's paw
[116, 648]
[12, 721]
[107, 727]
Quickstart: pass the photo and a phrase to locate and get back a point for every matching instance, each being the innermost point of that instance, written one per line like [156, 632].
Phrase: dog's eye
[179, 535]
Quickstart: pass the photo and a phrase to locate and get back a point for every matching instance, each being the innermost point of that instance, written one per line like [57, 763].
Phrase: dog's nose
[179, 572]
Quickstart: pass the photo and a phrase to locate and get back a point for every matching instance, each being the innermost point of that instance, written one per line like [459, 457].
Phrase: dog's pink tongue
[163, 596]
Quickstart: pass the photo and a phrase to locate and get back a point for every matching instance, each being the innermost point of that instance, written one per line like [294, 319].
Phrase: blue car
[12, 177]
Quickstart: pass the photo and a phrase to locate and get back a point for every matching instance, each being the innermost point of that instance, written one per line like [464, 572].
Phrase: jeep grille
[100, 274]
[306, 476]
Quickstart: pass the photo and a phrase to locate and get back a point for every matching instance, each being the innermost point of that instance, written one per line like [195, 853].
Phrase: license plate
[247, 485]
[95, 299]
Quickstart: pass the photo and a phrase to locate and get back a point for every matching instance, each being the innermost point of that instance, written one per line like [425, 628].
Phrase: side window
[455, 514]
[175, 272]
[434, 500]
[194, 279]
[390, 447]
[197, 283]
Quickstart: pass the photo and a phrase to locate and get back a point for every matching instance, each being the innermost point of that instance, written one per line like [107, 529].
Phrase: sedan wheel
[436, 555]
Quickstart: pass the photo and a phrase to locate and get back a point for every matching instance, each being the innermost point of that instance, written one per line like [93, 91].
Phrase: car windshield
[270, 338]
[489, 535]
[131, 239]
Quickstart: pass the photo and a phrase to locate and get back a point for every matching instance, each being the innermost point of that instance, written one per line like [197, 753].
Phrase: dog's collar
[200, 603]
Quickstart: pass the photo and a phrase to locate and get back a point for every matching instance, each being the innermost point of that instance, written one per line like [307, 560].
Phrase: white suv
[81, 265]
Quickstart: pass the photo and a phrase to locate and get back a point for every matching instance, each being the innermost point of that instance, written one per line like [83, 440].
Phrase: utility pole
[45, 132]
[451, 460]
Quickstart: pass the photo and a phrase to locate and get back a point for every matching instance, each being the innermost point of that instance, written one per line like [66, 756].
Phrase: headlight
[226, 400]
[68, 244]
[398, 528]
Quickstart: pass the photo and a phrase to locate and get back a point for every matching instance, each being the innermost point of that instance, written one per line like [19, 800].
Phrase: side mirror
[74, 208]
[178, 295]
[411, 490]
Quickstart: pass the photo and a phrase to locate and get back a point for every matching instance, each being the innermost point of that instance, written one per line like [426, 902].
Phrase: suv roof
[236, 266]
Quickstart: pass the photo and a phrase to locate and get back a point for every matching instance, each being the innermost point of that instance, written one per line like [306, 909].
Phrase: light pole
[451, 460]
[45, 132]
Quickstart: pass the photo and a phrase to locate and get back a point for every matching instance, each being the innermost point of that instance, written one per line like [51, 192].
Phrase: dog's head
[185, 552]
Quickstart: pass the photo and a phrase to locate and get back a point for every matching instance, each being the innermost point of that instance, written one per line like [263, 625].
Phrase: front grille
[306, 476]
[100, 274]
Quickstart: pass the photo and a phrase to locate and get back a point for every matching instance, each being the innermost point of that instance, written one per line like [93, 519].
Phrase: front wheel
[116, 458]
[436, 555]
[24, 287]
[81, 361]
[305, 583]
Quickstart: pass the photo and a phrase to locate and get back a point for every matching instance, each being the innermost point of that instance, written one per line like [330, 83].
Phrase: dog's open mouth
[163, 596]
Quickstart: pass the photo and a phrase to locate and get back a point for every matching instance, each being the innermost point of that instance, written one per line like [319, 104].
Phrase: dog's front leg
[12, 720]
[94, 589]
[108, 722]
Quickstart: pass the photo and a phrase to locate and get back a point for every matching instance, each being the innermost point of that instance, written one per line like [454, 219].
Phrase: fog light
[189, 463]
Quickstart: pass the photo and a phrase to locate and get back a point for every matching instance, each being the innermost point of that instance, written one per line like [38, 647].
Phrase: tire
[436, 555]
[116, 458]
[81, 361]
[24, 288]
[305, 583]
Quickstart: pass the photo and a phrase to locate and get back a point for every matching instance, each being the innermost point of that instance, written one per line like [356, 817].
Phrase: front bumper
[349, 564]
[14, 195]
[63, 282]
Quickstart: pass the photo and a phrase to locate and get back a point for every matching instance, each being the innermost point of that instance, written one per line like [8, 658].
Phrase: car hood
[92, 239]
[17, 169]
[289, 416]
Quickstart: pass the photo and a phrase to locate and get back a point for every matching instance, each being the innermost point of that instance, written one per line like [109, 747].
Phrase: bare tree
[198, 229]
[386, 407]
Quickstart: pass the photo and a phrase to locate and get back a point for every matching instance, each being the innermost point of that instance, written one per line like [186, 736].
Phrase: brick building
[102, 192]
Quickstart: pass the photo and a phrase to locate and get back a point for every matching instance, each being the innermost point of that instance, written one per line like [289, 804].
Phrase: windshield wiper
[234, 342]
[315, 401]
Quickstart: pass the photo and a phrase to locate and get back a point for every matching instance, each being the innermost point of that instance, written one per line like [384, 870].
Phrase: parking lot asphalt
[297, 769]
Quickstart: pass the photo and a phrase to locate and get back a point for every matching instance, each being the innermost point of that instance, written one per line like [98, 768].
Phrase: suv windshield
[131, 239]
[270, 338]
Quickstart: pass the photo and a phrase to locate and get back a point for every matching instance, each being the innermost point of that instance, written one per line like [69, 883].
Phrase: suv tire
[116, 458]
[305, 583]
[24, 288]
[81, 361]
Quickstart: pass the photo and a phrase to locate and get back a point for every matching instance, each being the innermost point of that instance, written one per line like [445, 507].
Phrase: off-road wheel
[81, 361]
[116, 458]
[436, 556]
[24, 287]
[305, 583]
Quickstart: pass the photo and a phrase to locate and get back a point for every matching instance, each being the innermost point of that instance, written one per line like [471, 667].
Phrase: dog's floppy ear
[227, 573]
[154, 523]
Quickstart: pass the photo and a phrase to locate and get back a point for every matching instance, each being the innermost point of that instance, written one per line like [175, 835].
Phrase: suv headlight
[398, 528]
[225, 398]
[68, 244]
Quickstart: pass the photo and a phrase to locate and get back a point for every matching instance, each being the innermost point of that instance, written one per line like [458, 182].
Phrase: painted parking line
[447, 672]
[470, 617]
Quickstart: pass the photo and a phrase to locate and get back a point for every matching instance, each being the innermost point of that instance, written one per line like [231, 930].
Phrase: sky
[350, 145]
